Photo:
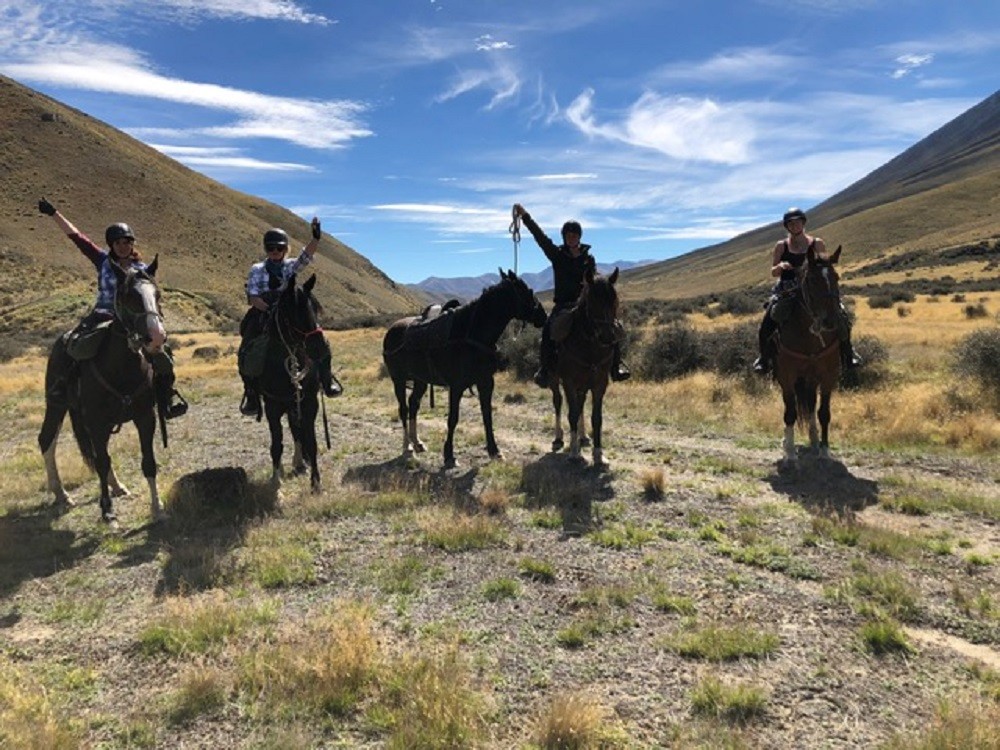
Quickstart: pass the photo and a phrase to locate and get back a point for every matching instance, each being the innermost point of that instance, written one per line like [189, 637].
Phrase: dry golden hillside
[206, 234]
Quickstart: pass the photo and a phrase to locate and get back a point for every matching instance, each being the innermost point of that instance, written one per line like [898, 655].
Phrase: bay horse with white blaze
[809, 353]
[584, 362]
[297, 363]
[113, 387]
[457, 350]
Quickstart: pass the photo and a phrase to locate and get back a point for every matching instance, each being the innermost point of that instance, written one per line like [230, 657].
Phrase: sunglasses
[276, 248]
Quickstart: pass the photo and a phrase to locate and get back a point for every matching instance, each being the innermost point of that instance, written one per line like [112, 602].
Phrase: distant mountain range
[465, 288]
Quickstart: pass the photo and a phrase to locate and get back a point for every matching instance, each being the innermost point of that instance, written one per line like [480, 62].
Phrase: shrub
[740, 303]
[976, 357]
[729, 351]
[518, 350]
[977, 310]
[880, 301]
[673, 352]
[875, 354]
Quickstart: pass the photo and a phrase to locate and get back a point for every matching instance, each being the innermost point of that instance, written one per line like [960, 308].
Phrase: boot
[619, 370]
[250, 404]
[547, 358]
[762, 365]
[332, 388]
[849, 360]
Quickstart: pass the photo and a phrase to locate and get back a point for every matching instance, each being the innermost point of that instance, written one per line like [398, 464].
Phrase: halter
[135, 323]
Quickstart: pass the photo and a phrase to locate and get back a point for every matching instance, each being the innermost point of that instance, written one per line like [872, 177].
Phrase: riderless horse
[458, 350]
[809, 353]
[584, 361]
[111, 388]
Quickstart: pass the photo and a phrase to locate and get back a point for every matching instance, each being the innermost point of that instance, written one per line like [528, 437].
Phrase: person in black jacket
[570, 262]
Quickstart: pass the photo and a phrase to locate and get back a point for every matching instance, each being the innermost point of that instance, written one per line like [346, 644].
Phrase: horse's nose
[157, 336]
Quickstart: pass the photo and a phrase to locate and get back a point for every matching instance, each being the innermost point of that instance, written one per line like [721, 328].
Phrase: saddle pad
[84, 344]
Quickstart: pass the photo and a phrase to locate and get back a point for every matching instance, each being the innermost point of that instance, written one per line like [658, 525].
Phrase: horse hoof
[298, 471]
[557, 445]
[498, 456]
[584, 441]
[419, 447]
[110, 519]
[120, 491]
[450, 464]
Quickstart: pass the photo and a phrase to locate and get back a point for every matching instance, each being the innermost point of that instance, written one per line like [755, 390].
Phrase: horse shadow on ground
[454, 487]
[571, 486]
[208, 514]
[823, 485]
[30, 546]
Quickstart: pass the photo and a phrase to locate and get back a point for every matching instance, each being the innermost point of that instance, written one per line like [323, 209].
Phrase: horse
[297, 363]
[584, 362]
[457, 350]
[809, 353]
[113, 387]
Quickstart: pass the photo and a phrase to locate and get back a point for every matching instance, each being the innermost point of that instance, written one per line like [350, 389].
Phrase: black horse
[584, 362]
[113, 387]
[296, 365]
[457, 350]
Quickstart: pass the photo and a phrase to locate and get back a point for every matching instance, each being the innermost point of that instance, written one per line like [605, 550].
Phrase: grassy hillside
[207, 235]
[944, 192]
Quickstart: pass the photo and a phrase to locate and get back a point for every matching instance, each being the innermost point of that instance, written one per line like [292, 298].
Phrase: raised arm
[548, 247]
[64, 224]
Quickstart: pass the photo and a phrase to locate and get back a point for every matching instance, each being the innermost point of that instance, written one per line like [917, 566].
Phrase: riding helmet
[118, 231]
[572, 226]
[275, 237]
[793, 213]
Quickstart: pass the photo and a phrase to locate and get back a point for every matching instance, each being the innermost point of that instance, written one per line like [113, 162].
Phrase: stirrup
[620, 374]
[250, 405]
[173, 410]
[761, 366]
[334, 388]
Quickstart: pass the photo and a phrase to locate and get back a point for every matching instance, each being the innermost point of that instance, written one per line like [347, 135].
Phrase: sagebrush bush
[977, 357]
[875, 355]
[673, 351]
[518, 351]
[729, 351]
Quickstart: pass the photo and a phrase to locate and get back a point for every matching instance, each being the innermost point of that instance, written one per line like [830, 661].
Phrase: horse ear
[308, 286]
[151, 268]
[614, 276]
[836, 255]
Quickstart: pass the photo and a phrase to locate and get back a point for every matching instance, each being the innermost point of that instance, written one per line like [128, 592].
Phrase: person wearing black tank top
[788, 256]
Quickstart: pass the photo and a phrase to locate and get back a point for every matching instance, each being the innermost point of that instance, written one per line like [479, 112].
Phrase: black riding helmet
[118, 231]
[275, 238]
[793, 213]
[572, 226]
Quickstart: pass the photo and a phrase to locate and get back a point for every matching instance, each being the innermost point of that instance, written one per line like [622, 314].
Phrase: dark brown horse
[809, 353]
[584, 362]
[112, 388]
[457, 350]
[297, 362]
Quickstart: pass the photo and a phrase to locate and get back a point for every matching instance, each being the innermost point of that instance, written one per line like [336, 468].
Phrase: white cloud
[731, 66]
[910, 62]
[568, 177]
[679, 127]
[486, 43]
[226, 158]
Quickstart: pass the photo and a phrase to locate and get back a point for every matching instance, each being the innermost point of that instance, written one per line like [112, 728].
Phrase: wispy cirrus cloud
[730, 66]
[906, 64]
[210, 158]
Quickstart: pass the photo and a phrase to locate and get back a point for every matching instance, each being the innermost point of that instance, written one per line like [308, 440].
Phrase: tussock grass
[576, 721]
[922, 498]
[665, 601]
[884, 636]
[593, 624]
[736, 703]
[432, 703]
[879, 593]
[494, 501]
[324, 669]
[28, 720]
[202, 624]
[276, 556]
[968, 724]
[501, 588]
[722, 643]
[76, 610]
[454, 531]
[622, 536]
[402, 575]
[653, 482]
[203, 690]
[537, 570]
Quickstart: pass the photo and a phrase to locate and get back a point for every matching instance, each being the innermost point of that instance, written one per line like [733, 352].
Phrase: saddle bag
[252, 356]
[83, 344]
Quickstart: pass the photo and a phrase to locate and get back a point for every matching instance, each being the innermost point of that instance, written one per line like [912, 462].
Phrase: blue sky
[411, 126]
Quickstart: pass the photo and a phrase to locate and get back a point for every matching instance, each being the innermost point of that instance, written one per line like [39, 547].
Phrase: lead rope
[295, 374]
[515, 233]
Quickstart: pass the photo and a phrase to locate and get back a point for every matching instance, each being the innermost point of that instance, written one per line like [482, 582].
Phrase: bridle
[810, 299]
[136, 324]
[601, 328]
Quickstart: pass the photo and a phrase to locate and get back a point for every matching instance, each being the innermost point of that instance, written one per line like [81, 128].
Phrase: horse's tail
[805, 400]
[83, 440]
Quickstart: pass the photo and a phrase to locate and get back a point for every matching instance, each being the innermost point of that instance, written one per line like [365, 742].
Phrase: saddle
[252, 356]
[561, 324]
[431, 329]
[83, 344]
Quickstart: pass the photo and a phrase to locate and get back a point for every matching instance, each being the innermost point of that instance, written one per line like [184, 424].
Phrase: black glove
[317, 232]
[46, 208]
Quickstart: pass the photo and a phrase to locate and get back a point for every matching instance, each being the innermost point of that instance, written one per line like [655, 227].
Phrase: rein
[815, 327]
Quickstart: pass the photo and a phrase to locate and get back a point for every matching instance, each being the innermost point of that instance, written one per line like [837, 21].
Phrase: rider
[264, 285]
[570, 262]
[788, 256]
[121, 252]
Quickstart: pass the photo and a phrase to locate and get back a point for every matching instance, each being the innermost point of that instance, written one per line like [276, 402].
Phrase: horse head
[526, 304]
[137, 305]
[297, 322]
[598, 304]
[820, 289]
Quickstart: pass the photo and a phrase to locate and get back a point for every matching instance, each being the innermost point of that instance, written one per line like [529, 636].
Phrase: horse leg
[273, 410]
[419, 389]
[146, 427]
[596, 423]
[454, 399]
[307, 435]
[824, 423]
[102, 465]
[399, 388]
[557, 402]
[117, 488]
[48, 438]
[575, 401]
[485, 389]
[788, 445]
[582, 430]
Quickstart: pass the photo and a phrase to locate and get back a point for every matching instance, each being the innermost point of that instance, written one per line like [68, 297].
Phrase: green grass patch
[966, 724]
[666, 601]
[201, 625]
[454, 531]
[537, 570]
[501, 588]
[884, 636]
[734, 703]
[622, 536]
[721, 643]
[202, 691]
